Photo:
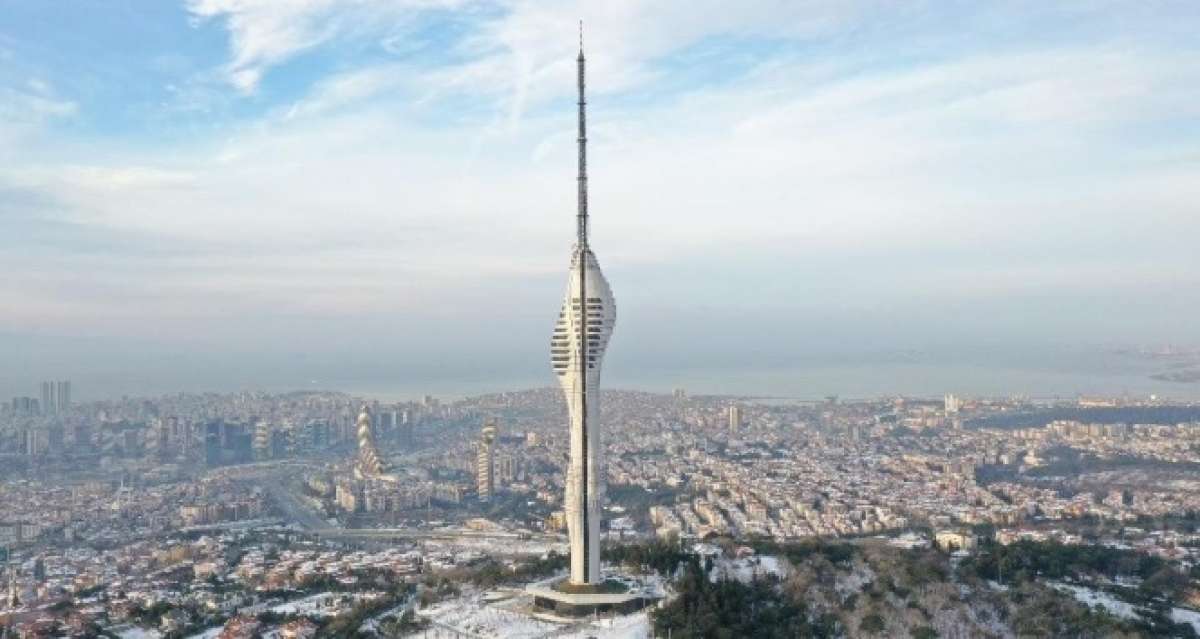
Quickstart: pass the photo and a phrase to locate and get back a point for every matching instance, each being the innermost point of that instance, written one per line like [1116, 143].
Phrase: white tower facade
[485, 461]
[369, 465]
[577, 348]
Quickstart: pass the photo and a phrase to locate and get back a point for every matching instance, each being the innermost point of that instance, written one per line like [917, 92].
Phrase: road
[415, 533]
[293, 507]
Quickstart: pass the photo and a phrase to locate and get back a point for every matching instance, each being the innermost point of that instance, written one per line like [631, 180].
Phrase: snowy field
[469, 615]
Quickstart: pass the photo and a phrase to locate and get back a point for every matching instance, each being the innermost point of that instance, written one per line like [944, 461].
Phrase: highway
[286, 494]
[293, 507]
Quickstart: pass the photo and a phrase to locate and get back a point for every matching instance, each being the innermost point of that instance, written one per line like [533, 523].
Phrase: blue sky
[219, 193]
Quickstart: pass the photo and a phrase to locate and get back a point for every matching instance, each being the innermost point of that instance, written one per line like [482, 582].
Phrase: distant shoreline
[1189, 376]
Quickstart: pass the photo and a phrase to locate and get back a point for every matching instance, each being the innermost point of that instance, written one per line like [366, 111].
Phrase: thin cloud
[266, 34]
[872, 164]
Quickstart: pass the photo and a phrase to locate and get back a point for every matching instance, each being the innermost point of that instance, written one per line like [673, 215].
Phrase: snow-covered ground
[323, 604]
[1120, 608]
[746, 569]
[497, 548]
[853, 583]
[469, 615]
[211, 633]
[1183, 615]
[1091, 597]
[310, 605]
[134, 632]
[472, 616]
[635, 626]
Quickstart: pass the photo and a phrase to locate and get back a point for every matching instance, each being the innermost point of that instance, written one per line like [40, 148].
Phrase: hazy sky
[219, 193]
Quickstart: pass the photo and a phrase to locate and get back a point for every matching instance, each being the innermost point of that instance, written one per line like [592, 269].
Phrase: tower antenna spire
[581, 220]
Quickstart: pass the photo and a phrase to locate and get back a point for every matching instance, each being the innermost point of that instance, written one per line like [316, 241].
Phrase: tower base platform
[568, 600]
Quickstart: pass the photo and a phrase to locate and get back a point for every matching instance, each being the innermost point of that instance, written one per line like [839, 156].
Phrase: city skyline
[795, 187]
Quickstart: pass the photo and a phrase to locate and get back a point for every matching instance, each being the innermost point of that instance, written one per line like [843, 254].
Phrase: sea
[1039, 374]
[1070, 375]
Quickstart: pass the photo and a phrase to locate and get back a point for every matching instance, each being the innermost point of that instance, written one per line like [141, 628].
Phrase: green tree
[872, 624]
[924, 632]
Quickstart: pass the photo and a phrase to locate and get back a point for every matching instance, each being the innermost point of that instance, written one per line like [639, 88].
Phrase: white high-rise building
[262, 440]
[64, 396]
[56, 397]
[368, 465]
[581, 336]
[48, 398]
[485, 461]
